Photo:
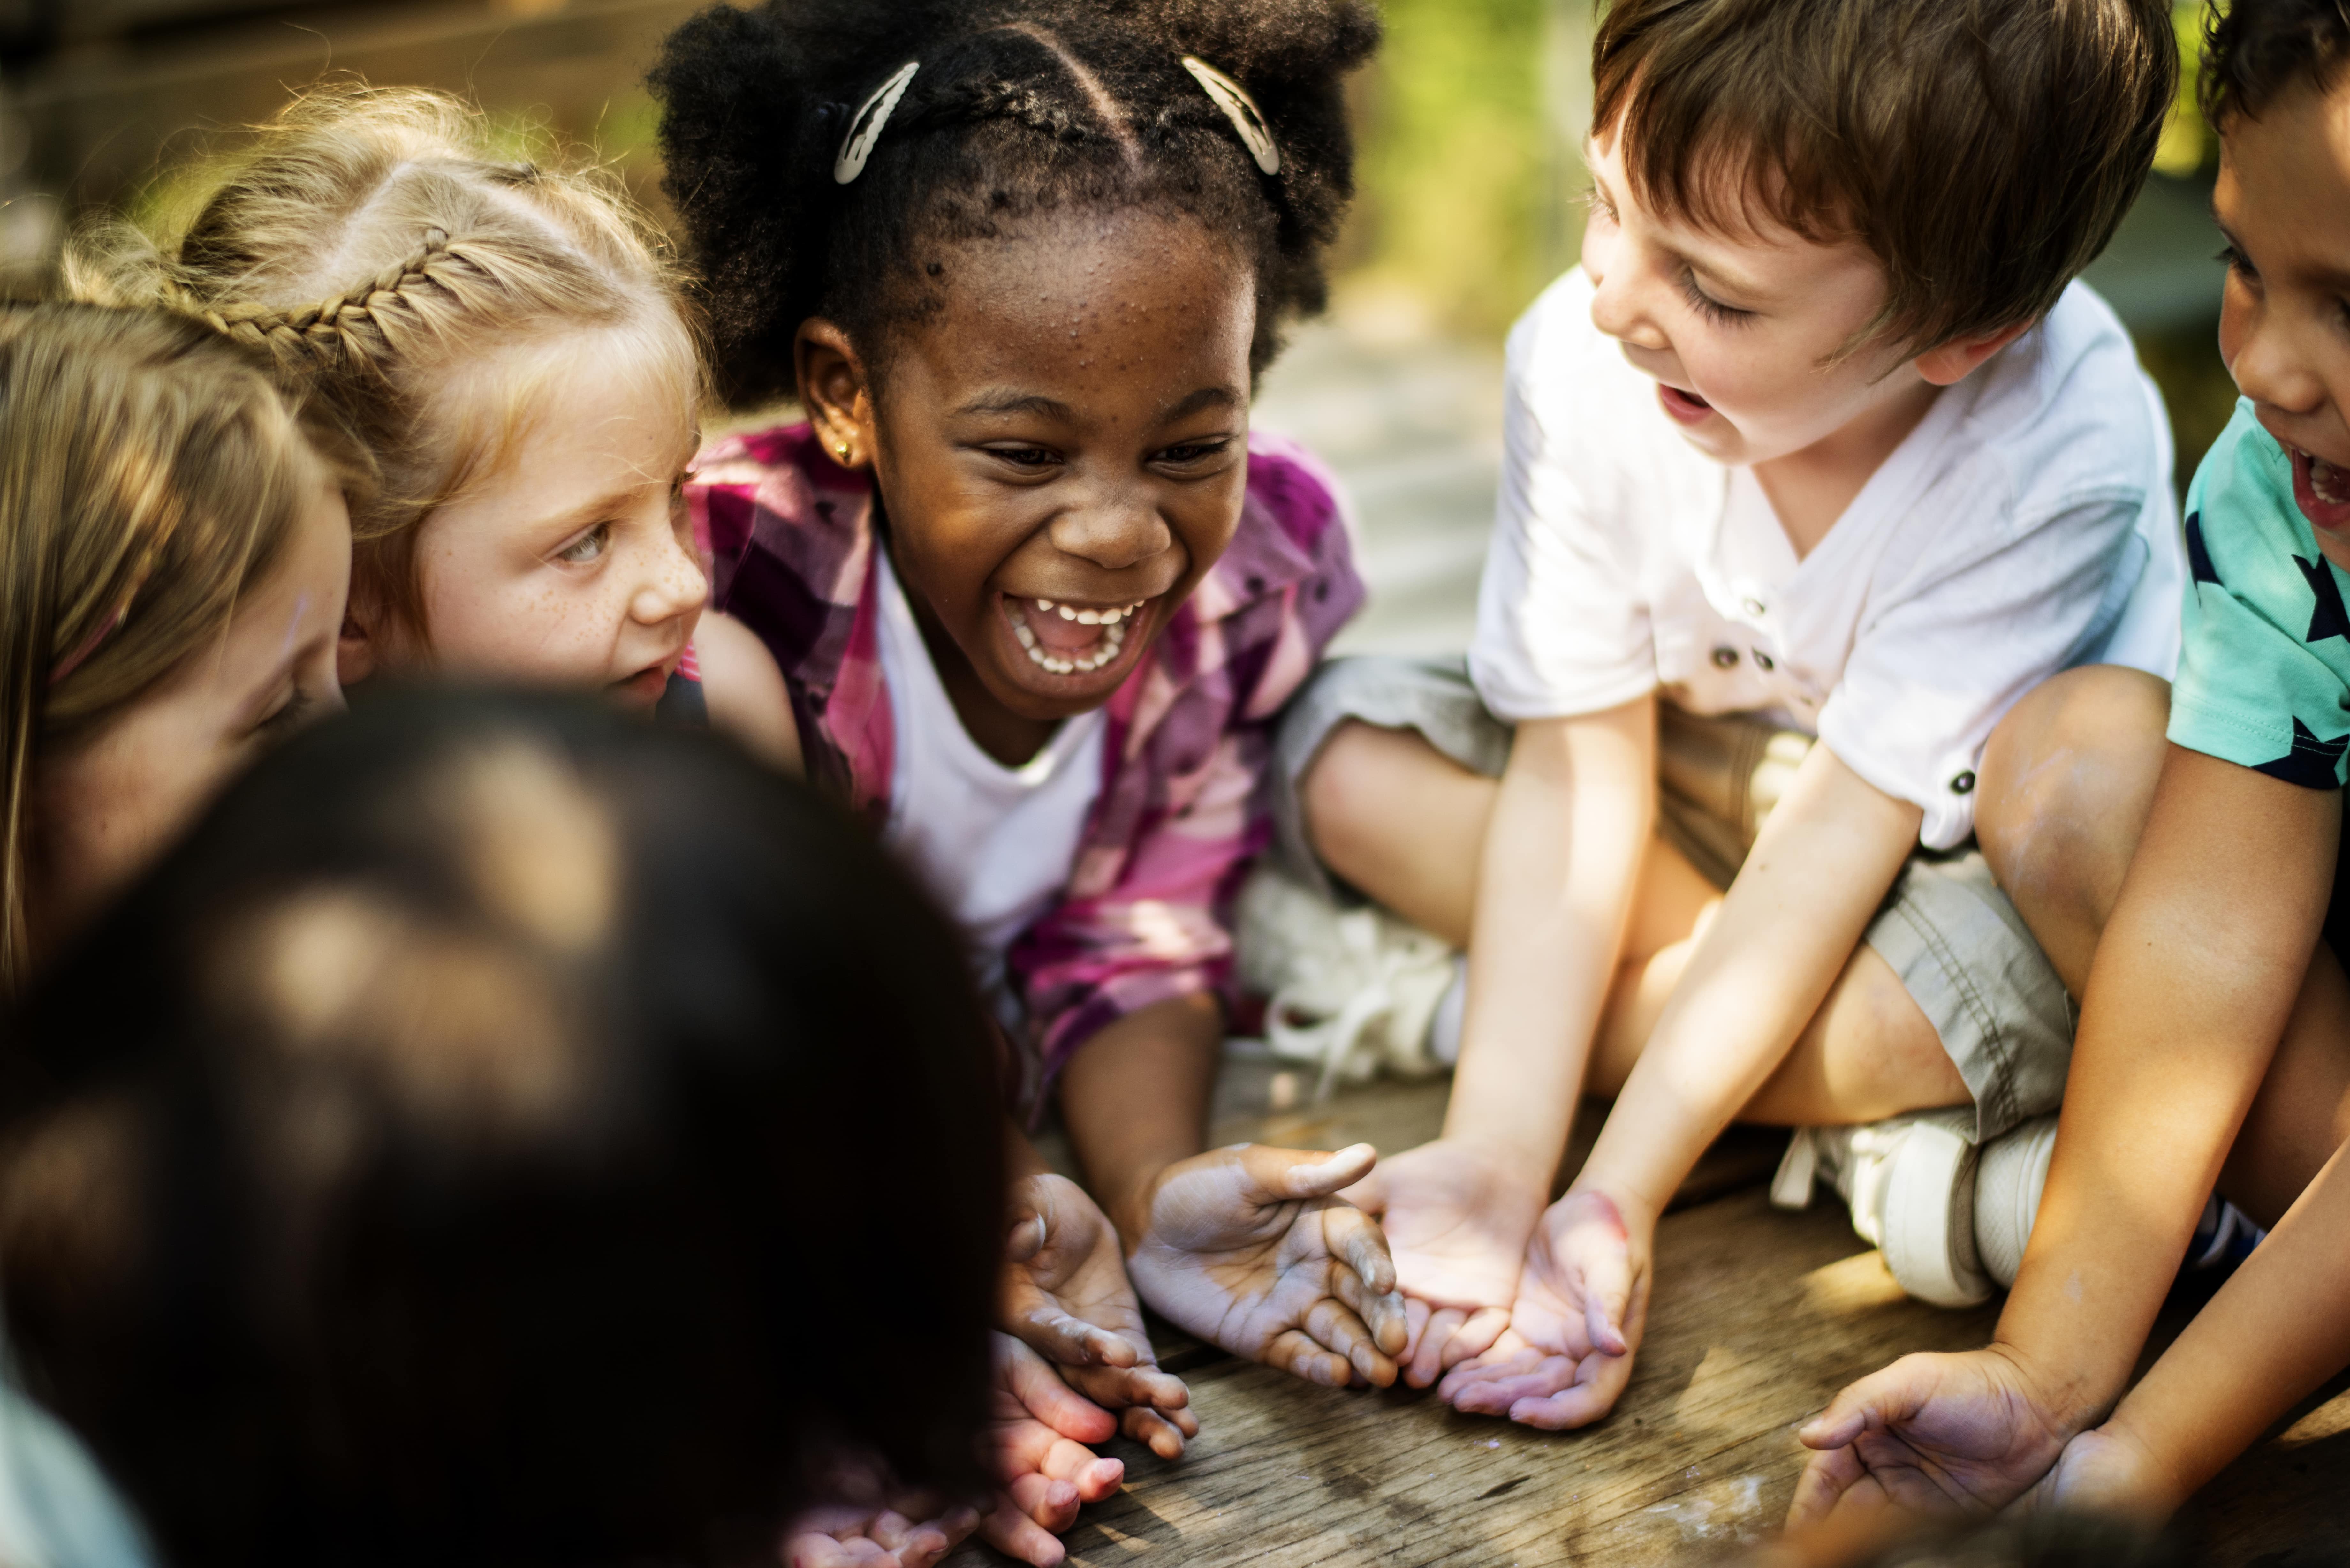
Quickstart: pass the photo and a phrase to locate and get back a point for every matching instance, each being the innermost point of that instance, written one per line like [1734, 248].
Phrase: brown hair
[2255, 50]
[375, 242]
[1984, 150]
[150, 473]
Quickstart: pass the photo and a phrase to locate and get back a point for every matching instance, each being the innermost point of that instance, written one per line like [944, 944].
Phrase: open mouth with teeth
[2322, 491]
[1063, 638]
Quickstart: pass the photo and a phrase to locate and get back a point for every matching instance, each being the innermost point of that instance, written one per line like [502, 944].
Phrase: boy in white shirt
[1821, 441]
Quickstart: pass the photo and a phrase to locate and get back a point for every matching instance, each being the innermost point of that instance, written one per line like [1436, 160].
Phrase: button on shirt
[2024, 526]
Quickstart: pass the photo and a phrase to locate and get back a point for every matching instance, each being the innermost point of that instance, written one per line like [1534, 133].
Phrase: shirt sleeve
[1562, 627]
[1931, 674]
[2263, 611]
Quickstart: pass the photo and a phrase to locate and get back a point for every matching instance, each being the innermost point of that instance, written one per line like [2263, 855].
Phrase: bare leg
[1405, 824]
[2066, 782]
[1401, 821]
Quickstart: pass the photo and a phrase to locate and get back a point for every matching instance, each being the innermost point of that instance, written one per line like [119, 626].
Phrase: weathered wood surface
[1759, 1317]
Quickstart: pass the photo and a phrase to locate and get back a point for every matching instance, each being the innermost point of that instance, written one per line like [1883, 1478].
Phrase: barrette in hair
[1241, 109]
[865, 125]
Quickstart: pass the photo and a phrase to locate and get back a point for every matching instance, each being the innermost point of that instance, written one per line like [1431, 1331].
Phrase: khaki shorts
[1958, 944]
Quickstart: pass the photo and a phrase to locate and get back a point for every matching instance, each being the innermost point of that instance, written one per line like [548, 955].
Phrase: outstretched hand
[1065, 1295]
[1038, 1429]
[1456, 1222]
[1930, 1434]
[1250, 1248]
[1582, 1301]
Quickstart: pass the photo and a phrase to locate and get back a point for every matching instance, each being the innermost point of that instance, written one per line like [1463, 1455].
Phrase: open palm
[1066, 1294]
[1250, 1249]
[1930, 1434]
[1582, 1297]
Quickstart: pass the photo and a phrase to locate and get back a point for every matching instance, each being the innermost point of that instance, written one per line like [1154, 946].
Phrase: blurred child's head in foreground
[509, 340]
[504, 1132]
[1805, 210]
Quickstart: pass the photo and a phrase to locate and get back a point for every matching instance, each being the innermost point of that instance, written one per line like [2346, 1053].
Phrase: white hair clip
[865, 126]
[1241, 109]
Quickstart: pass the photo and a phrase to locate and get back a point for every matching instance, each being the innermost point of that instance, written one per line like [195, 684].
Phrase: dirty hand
[1930, 1434]
[1064, 1294]
[1038, 1429]
[1250, 1248]
[1457, 1220]
[1581, 1302]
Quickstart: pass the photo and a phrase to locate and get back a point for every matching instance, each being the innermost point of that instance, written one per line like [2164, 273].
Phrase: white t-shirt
[994, 844]
[2024, 526]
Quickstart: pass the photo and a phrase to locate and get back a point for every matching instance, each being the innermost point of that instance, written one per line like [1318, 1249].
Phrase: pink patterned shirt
[1184, 802]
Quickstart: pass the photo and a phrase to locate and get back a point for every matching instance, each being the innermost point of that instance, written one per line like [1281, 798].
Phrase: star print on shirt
[2329, 620]
[2312, 764]
[2199, 558]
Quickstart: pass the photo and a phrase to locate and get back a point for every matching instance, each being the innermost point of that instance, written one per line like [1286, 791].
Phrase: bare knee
[1355, 791]
[2066, 781]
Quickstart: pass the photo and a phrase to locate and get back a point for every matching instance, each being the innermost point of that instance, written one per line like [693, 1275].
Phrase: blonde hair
[375, 242]
[149, 473]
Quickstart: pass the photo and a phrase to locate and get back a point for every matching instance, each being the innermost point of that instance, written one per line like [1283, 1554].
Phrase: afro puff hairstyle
[1020, 107]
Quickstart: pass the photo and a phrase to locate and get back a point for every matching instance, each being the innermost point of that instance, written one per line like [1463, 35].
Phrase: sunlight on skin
[108, 805]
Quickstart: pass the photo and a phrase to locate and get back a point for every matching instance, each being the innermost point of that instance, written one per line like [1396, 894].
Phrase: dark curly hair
[1021, 106]
[2254, 49]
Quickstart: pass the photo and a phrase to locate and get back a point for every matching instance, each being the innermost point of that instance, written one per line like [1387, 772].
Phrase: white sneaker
[1353, 991]
[1910, 1181]
[2009, 1180]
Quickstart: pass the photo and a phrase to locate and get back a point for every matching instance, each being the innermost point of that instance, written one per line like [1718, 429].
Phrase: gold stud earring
[843, 451]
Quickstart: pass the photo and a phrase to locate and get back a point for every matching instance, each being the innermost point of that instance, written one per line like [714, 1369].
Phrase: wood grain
[1760, 1316]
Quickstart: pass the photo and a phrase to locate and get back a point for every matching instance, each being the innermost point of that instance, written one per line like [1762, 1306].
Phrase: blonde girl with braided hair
[511, 345]
[174, 551]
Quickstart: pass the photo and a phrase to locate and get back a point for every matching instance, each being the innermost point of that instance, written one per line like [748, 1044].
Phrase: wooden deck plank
[1759, 1317]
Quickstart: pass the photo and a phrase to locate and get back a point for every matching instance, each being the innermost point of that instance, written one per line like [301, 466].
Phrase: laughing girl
[1033, 586]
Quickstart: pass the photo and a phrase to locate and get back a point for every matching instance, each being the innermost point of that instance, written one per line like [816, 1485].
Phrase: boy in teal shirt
[2214, 1044]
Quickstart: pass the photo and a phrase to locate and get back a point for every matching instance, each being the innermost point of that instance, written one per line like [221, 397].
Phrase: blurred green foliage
[1464, 183]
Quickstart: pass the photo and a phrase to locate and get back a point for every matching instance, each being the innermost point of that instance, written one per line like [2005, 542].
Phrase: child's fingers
[1041, 1391]
[1094, 1477]
[1598, 1383]
[1880, 1399]
[1062, 1337]
[1370, 1194]
[1156, 1432]
[1428, 1332]
[1010, 1531]
[1383, 1314]
[1479, 1334]
[1825, 1482]
[1029, 1232]
[1049, 1503]
[1334, 1325]
[1355, 1238]
[1281, 1174]
[1292, 1352]
[1511, 1361]
[1500, 1393]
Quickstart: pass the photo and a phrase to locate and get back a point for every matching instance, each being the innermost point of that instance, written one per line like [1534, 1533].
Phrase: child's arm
[1555, 886]
[2193, 980]
[1785, 930]
[2274, 1331]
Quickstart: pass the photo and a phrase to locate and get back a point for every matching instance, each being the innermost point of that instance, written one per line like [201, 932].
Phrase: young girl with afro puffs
[1035, 587]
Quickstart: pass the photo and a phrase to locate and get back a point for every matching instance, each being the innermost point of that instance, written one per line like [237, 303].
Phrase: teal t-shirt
[2264, 671]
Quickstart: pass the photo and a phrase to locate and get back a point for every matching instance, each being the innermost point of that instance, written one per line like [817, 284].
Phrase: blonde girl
[511, 345]
[174, 550]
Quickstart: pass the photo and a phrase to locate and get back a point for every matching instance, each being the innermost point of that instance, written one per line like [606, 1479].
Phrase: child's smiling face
[1062, 448]
[1744, 331]
[2283, 201]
